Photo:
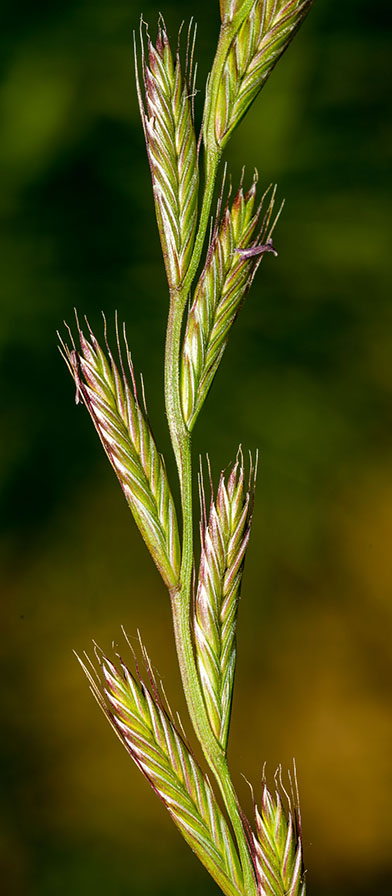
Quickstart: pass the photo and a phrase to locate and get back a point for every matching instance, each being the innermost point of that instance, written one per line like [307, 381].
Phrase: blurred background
[307, 379]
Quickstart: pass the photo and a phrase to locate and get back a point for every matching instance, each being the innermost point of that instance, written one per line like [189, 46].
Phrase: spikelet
[263, 36]
[126, 436]
[278, 849]
[148, 733]
[234, 255]
[167, 117]
[224, 542]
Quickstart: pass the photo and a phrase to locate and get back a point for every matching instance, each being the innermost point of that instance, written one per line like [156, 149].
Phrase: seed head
[236, 250]
[167, 116]
[278, 849]
[263, 36]
[121, 422]
[224, 541]
[147, 730]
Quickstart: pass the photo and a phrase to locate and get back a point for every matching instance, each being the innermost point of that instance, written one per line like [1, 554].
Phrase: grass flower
[208, 281]
[167, 117]
[224, 539]
[230, 267]
[109, 393]
[147, 730]
[279, 860]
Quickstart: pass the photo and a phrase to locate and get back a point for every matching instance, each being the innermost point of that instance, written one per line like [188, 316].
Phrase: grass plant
[208, 280]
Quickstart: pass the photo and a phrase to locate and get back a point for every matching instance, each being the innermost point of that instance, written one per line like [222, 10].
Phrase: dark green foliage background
[307, 378]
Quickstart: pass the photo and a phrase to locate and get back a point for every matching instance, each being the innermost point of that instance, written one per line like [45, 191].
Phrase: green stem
[181, 597]
[211, 168]
[181, 441]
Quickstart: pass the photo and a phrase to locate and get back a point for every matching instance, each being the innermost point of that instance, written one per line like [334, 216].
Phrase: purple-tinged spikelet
[278, 847]
[158, 748]
[111, 399]
[224, 541]
[236, 250]
[167, 117]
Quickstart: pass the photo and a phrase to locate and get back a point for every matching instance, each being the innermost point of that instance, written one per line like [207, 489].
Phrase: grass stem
[181, 597]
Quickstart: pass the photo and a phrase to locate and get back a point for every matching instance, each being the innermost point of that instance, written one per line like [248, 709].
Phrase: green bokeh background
[307, 378]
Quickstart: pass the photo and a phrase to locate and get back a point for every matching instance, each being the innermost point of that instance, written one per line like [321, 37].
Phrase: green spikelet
[258, 44]
[171, 146]
[126, 436]
[234, 255]
[159, 750]
[224, 543]
[278, 848]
